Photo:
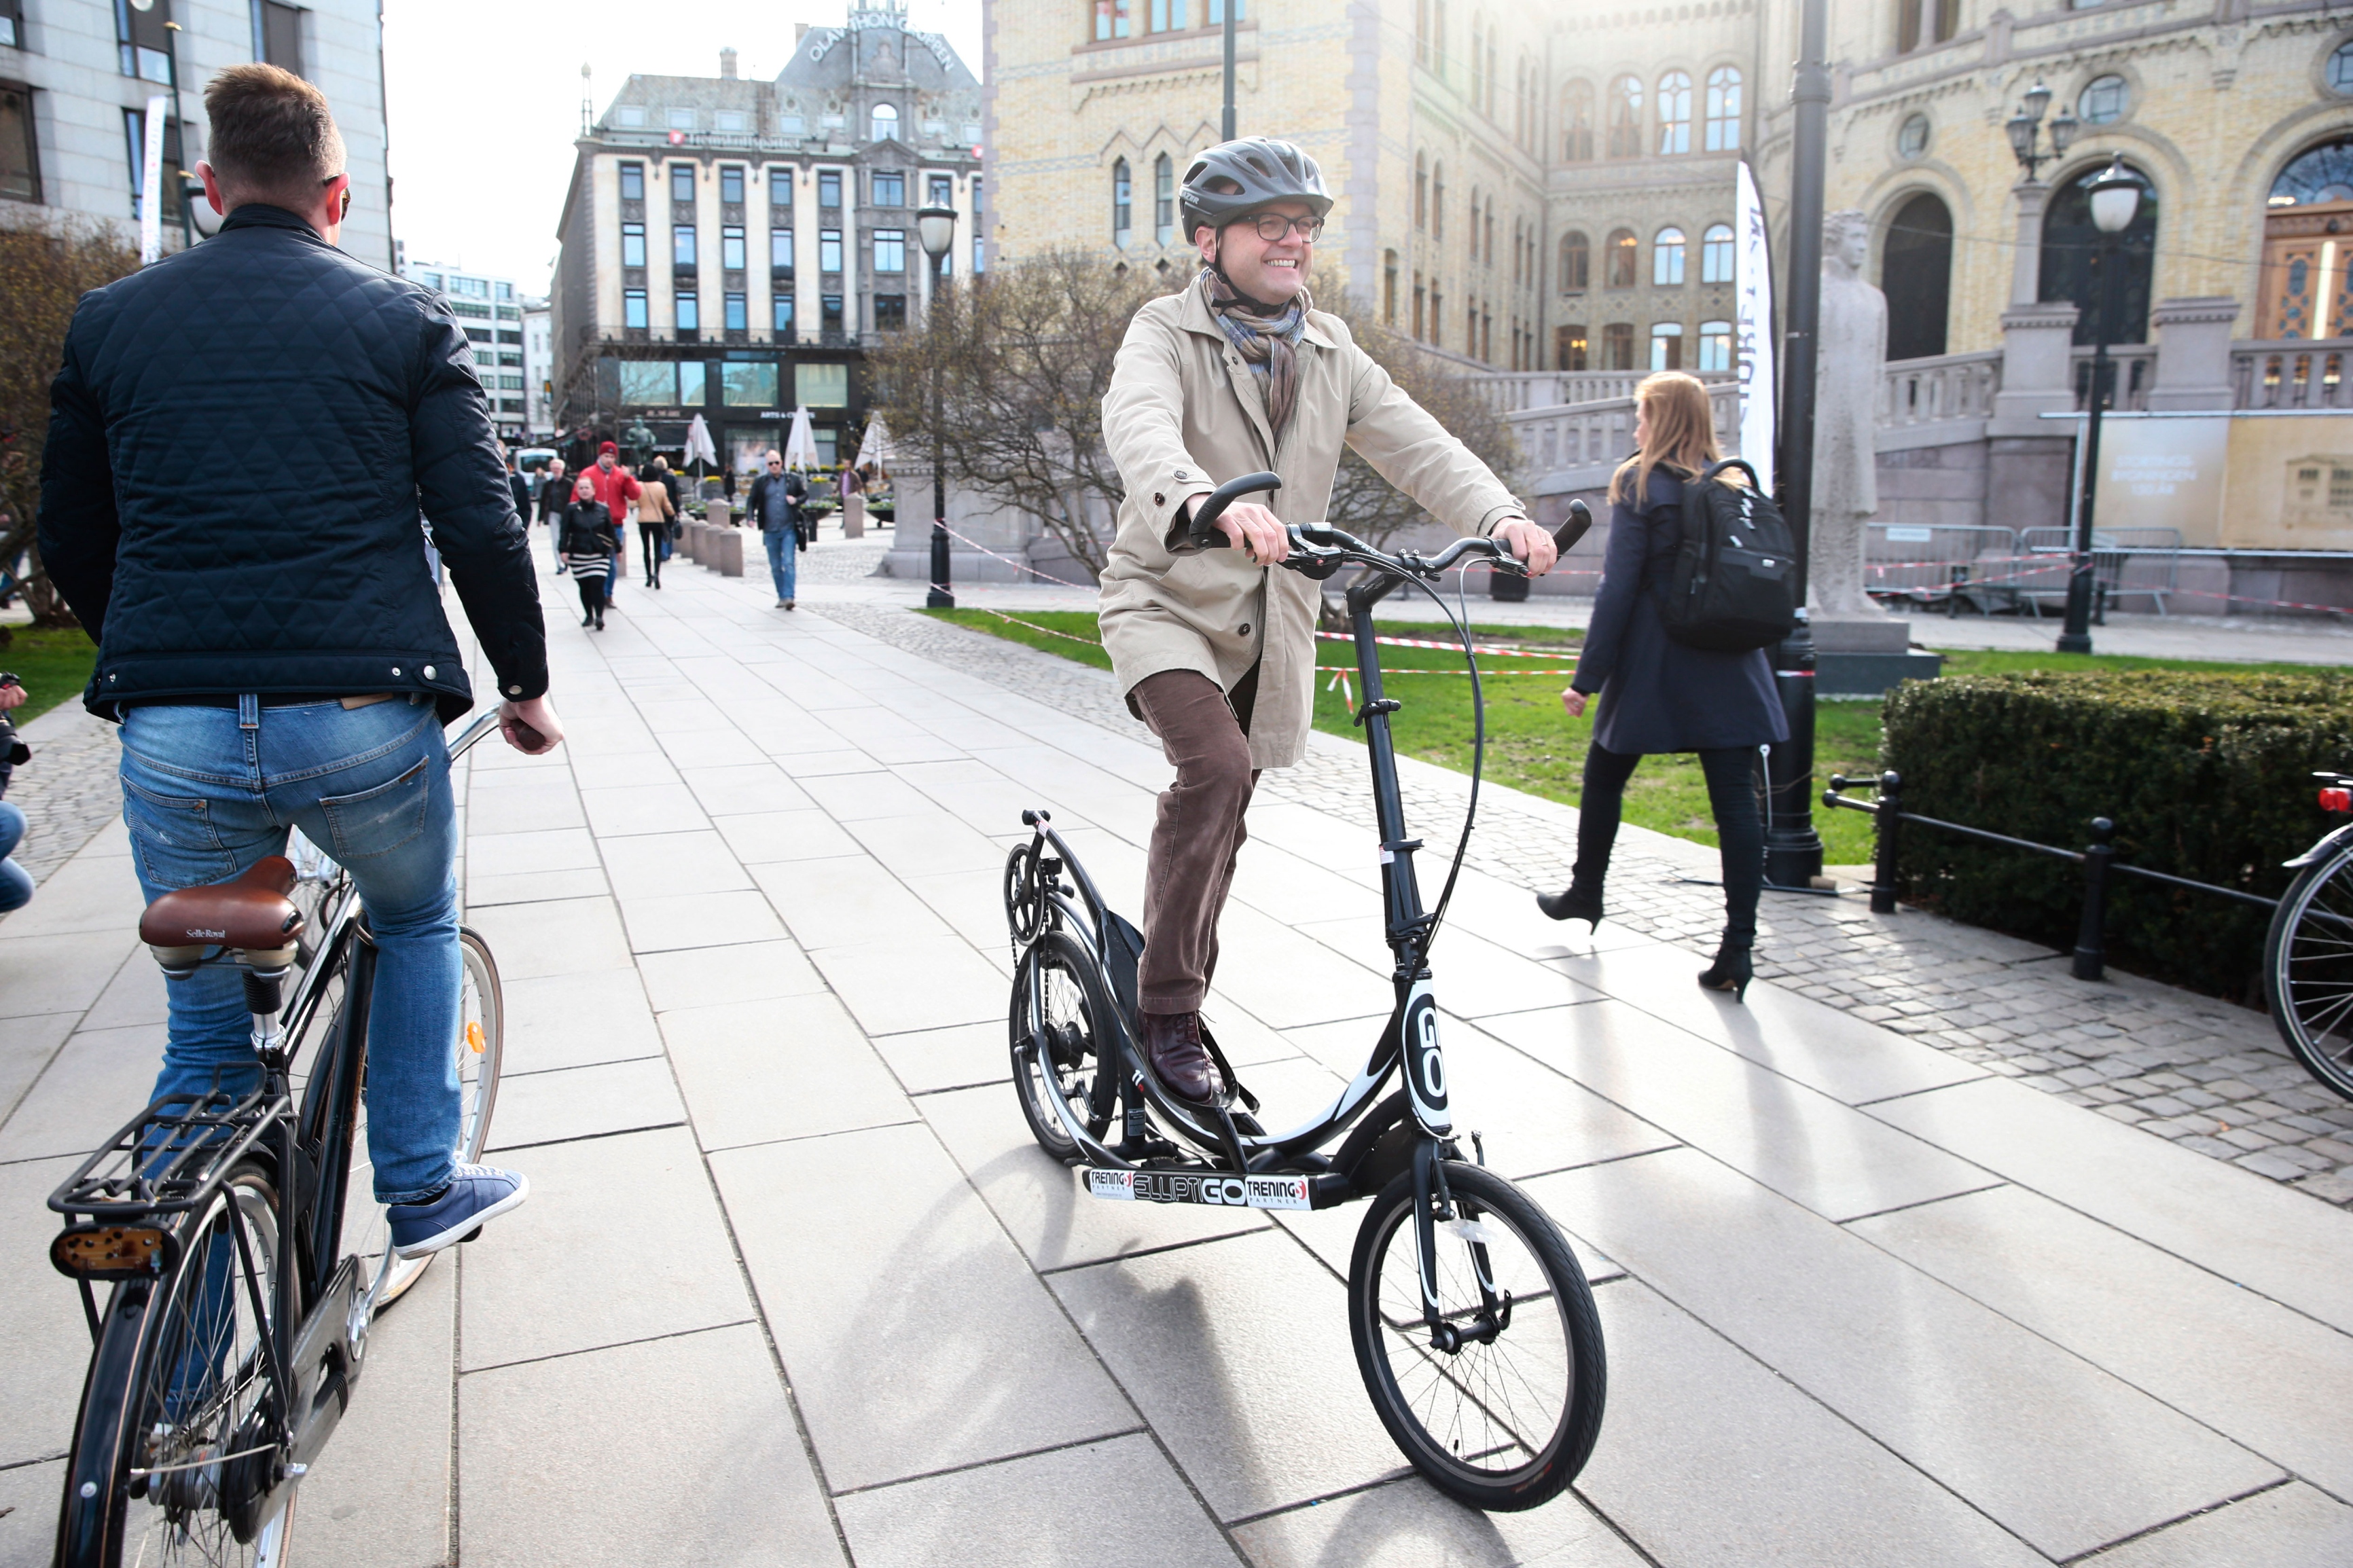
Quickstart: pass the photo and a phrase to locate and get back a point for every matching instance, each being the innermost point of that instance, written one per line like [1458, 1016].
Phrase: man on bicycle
[276, 653]
[1215, 649]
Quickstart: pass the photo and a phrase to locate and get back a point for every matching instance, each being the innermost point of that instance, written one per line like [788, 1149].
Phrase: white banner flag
[1752, 285]
[150, 183]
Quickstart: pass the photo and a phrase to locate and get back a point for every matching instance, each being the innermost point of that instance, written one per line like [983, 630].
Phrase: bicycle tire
[2308, 969]
[137, 1406]
[1078, 1013]
[1384, 1320]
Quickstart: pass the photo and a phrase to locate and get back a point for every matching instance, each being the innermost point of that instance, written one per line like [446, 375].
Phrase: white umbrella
[800, 442]
[876, 447]
[698, 449]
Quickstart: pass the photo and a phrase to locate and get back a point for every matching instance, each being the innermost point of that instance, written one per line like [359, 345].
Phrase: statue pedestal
[1837, 635]
[1865, 659]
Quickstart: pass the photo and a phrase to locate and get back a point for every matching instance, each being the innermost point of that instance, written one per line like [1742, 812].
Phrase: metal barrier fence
[1928, 564]
[2126, 563]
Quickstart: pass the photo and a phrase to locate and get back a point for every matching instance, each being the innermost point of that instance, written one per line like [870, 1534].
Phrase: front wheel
[2308, 969]
[1500, 1405]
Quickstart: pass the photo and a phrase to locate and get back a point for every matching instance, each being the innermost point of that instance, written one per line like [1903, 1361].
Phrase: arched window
[1916, 273]
[1122, 204]
[1474, 223]
[1674, 113]
[1715, 257]
[1110, 19]
[1622, 245]
[1570, 347]
[2314, 192]
[1422, 32]
[1490, 90]
[1723, 109]
[1422, 190]
[1919, 22]
[1626, 117]
[1478, 63]
[1388, 288]
[1715, 345]
[1438, 201]
[1520, 101]
[1576, 262]
[1618, 346]
[2071, 243]
[1667, 261]
[1164, 200]
[1577, 122]
[886, 122]
[1490, 231]
[1666, 345]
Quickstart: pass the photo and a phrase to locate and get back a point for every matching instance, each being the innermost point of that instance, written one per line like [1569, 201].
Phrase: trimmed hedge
[2205, 776]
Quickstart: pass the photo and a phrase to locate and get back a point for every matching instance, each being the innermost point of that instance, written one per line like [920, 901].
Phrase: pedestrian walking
[554, 495]
[852, 486]
[16, 882]
[655, 510]
[618, 488]
[517, 486]
[776, 504]
[586, 536]
[1659, 695]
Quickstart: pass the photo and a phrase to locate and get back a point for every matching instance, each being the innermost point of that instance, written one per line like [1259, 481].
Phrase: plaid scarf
[1268, 343]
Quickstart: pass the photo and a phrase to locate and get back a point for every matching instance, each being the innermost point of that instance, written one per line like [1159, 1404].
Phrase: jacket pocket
[175, 838]
[380, 820]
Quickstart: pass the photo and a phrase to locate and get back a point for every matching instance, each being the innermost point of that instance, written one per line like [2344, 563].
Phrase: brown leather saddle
[250, 911]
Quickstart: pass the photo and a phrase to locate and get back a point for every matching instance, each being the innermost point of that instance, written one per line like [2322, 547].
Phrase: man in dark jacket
[775, 504]
[554, 495]
[277, 654]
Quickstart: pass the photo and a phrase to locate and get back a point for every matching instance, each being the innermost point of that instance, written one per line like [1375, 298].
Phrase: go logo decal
[1425, 1068]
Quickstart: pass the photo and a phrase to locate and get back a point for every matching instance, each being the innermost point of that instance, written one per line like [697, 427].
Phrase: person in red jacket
[618, 491]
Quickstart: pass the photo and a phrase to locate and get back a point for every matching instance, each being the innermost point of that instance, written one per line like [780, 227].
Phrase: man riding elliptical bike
[1215, 650]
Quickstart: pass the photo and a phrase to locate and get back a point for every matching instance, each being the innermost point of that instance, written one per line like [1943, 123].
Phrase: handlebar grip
[1580, 520]
[1204, 528]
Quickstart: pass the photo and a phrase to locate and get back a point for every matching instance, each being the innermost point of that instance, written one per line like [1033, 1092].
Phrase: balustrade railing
[1935, 390]
[1514, 391]
[2132, 372]
[1600, 432]
[2291, 374]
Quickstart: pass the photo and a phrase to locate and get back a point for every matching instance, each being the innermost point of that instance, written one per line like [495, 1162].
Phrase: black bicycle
[1474, 1325]
[244, 1277]
[2308, 954]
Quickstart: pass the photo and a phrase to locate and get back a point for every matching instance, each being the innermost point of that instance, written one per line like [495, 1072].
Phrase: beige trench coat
[1184, 415]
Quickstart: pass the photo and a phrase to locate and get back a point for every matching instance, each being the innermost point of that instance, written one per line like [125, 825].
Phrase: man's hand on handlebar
[1256, 531]
[530, 727]
[1531, 543]
[11, 694]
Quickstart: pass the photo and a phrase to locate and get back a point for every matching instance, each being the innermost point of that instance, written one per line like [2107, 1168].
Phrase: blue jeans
[207, 792]
[613, 573]
[16, 882]
[783, 557]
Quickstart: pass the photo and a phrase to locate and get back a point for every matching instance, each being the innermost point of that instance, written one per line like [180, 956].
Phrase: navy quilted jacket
[241, 440]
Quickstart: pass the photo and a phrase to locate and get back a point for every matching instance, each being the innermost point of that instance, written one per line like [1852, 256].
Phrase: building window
[1388, 288]
[681, 245]
[731, 249]
[1667, 347]
[885, 122]
[682, 183]
[1164, 200]
[1715, 345]
[633, 181]
[1716, 254]
[690, 311]
[681, 119]
[1618, 346]
[829, 188]
[1437, 318]
[739, 315]
[1420, 190]
[142, 40]
[1478, 63]
[12, 23]
[890, 250]
[780, 249]
[1626, 117]
[1577, 122]
[1419, 295]
[1438, 201]
[782, 306]
[1110, 19]
[629, 116]
[650, 383]
[889, 188]
[2071, 242]
[1667, 258]
[1568, 348]
[2340, 69]
[20, 150]
[278, 36]
[1122, 204]
[2103, 101]
[1622, 247]
[829, 315]
[135, 132]
[1919, 22]
[890, 312]
[1915, 271]
[633, 308]
[730, 184]
[828, 250]
[780, 188]
[1576, 262]
[1912, 138]
[1724, 110]
[1674, 113]
[633, 245]
[745, 384]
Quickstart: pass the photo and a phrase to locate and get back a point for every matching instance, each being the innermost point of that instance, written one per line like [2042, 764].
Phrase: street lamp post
[935, 227]
[2116, 198]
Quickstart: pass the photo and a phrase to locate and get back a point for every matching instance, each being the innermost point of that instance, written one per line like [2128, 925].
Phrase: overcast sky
[484, 101]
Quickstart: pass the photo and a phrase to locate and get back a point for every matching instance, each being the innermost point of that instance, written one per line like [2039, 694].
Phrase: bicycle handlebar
[1319, 551]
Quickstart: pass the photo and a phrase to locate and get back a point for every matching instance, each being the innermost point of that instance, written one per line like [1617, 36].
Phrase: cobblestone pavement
[2187, 1068]
[68, 792]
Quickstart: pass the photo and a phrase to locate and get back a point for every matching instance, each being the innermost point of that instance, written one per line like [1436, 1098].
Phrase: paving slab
[755, 1072]
[845, 902]
[1408, 1523]
[25, 1048]
[94, 1084]
[921, 982]
[57, 974]
[565, 936]
[758, 837]
[2287, 1527]
[929, 1061]
[577, 1020]
[740, 972]
[29, 1500]
[44, 1338]
[592, 1101]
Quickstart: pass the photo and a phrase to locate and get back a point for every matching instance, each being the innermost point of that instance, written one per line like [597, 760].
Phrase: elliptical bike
[1473, 1326]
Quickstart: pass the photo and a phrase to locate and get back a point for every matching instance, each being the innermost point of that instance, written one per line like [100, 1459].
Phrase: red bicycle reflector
[2336, 800]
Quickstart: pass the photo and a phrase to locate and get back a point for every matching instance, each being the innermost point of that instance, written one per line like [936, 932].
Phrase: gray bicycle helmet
[1267, 170]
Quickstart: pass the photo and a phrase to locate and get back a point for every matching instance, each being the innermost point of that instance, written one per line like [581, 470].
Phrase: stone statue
[1853, 352]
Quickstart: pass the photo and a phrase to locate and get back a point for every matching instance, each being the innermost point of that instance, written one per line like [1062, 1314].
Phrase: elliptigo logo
[1184, 1187]
[1425, 1068]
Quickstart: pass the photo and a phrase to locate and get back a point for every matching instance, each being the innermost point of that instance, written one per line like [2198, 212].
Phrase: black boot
[1172, 1043]
[1576, 902]
[1732, 971]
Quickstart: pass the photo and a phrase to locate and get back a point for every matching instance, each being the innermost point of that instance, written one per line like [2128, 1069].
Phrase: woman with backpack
[1660, 693]
[586, 532]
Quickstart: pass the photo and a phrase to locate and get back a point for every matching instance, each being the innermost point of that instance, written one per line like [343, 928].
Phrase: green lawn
[1533, 745]
[52, 666]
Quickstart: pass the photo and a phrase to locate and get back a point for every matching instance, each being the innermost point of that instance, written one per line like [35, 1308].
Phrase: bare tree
[43, 274]
[1022, 357]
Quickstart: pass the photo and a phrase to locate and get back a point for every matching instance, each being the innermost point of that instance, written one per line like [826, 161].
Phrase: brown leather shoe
[1172, 1041]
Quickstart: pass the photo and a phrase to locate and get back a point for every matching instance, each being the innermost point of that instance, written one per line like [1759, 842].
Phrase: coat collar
[261, 215]
[1196, 316]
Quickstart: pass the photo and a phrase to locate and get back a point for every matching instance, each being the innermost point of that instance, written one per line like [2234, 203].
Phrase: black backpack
[1734, 584]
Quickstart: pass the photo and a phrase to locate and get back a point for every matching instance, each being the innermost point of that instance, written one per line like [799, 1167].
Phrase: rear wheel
[2308, 969]
[1502, 1412]
[1060, 1026]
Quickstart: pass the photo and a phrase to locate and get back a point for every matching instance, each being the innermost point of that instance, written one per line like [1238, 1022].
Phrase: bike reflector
[2336, 800]
[1188, 1187]
[92, 1251]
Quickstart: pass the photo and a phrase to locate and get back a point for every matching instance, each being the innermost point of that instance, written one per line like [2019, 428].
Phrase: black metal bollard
[2090, 956]
[1888, 816]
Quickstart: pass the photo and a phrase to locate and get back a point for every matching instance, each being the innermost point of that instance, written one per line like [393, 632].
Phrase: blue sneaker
[477, 1193]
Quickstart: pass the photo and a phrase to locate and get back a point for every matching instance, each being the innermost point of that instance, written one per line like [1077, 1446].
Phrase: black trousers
[1739, 831]
[649, 539]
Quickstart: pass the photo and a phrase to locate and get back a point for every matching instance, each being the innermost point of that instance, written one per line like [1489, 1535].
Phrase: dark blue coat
[241, 440]
[1656, 694]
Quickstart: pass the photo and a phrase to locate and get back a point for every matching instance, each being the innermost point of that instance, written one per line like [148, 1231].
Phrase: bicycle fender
[2327, 846]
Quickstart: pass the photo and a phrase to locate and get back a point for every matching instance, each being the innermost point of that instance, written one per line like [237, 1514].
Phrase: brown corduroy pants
[1196, 834]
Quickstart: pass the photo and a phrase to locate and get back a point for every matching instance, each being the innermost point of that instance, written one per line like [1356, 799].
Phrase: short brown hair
[272, 134]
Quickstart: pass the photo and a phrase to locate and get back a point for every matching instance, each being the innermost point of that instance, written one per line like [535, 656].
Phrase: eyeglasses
[1272, 226]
